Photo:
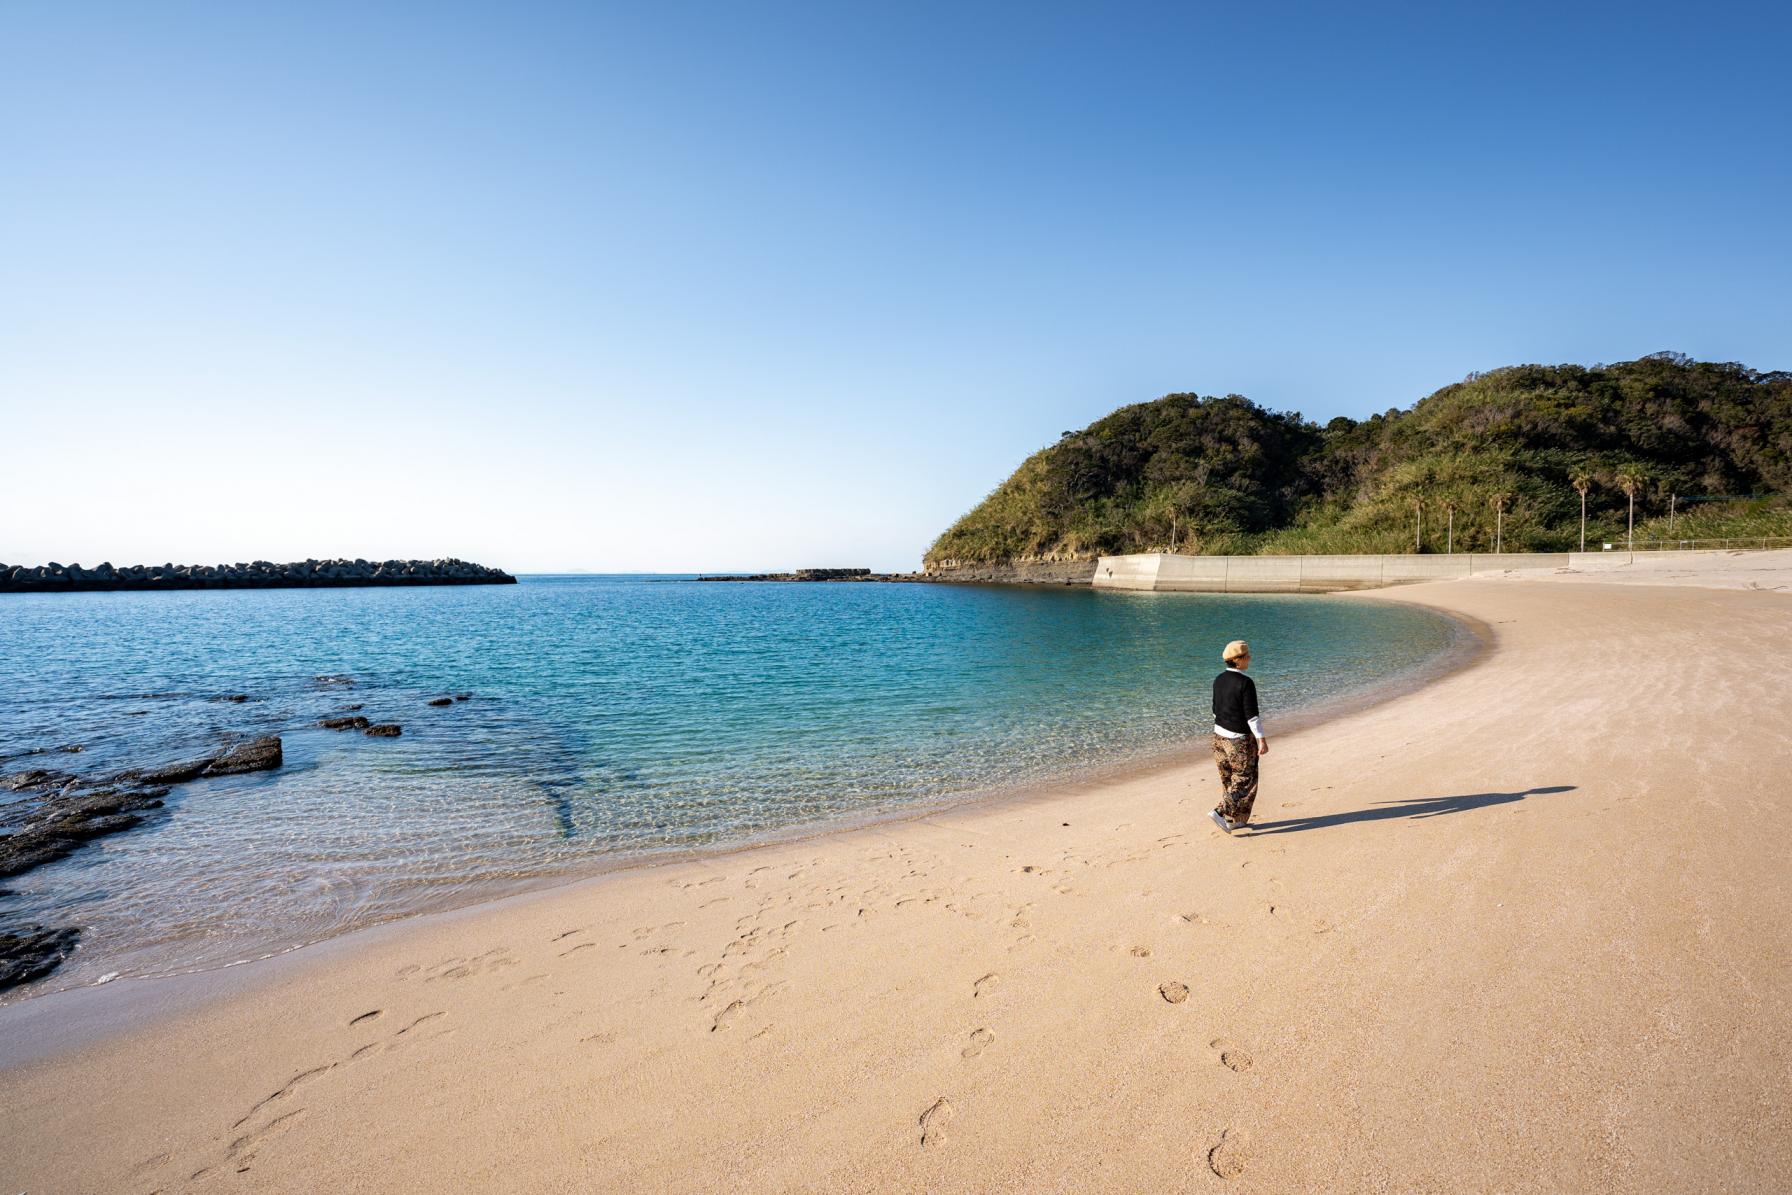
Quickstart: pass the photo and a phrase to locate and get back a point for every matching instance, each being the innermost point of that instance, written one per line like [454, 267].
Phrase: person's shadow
[1423, 807]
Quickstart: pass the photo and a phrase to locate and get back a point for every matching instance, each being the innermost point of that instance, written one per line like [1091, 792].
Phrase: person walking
[1237, 737]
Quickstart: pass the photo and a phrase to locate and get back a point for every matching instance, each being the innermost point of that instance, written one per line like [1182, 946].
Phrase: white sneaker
[1219, 819]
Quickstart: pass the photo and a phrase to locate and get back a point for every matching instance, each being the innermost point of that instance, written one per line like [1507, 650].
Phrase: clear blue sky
[659, 287]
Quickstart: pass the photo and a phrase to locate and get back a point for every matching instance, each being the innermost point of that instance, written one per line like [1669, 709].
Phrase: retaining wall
[1164, 572]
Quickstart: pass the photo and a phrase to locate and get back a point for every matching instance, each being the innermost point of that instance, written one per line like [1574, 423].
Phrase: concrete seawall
[1162, 572]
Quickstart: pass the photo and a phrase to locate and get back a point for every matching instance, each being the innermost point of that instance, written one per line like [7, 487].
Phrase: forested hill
[1213, 475]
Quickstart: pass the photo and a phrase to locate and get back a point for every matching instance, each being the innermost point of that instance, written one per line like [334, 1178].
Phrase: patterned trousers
[1237, 759]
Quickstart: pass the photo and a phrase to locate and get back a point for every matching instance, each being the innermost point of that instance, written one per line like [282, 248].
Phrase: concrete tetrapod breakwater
[259, 574]
[1164, 572]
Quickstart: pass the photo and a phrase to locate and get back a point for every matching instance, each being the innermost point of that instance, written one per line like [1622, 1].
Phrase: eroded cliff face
[1017, 572]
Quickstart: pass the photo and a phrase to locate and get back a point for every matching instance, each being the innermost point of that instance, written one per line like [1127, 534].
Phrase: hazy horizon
[559, 287]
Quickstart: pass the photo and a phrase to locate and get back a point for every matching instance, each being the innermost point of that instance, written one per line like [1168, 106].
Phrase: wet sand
[1527, 928]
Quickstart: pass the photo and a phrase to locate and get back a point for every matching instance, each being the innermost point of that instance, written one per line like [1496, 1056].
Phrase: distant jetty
[821, 574]
[258, 574]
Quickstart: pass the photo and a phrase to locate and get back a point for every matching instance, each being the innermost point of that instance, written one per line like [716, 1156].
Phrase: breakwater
[258, 574]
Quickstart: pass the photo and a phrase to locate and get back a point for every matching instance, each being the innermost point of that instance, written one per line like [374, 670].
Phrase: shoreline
[1469, 943]
[128, 1004]
[1473, 640]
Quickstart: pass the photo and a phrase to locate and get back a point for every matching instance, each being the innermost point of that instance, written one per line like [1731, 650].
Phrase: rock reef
[53, 813]
[259, 574]
[30, 952]
[70, 810]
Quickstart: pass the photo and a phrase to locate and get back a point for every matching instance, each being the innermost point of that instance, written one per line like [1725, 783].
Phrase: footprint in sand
[1228, 1156]
[1173, 991]
[1140, 952]
[985, 985]
[980, 1041]
[367, 1016]
[933, 1122]
[1236, 1060]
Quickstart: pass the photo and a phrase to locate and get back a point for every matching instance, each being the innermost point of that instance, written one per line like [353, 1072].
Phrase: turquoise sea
[611, 718]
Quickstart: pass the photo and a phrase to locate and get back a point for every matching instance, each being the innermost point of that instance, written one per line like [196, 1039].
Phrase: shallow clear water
[611, 717]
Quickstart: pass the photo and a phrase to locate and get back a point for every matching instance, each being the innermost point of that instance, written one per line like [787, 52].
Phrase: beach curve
[1578, 982]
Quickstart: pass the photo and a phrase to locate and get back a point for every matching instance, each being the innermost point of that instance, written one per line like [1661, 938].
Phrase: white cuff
[1256, 725]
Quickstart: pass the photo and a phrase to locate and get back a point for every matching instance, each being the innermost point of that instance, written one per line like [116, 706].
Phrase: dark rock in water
[35, 780]
[237, 698]
[385, 730]
[30, 952]
[257, 756]
[177, 773]
[463, 697]
[440, 701]
[354, 723]
[72, 749]
[64, 821]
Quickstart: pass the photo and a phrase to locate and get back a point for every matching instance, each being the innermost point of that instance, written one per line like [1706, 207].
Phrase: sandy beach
[1528, 928]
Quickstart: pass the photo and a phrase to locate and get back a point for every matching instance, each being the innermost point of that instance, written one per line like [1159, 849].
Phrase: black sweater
[1234, 701]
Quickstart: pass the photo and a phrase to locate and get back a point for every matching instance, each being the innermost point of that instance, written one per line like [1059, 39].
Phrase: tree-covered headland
[1509, 454]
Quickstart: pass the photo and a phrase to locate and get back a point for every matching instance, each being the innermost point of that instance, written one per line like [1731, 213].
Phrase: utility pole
[1583, 482]
[1418, 529]
[1672, 498]
[1450, 535]
[1499, 523]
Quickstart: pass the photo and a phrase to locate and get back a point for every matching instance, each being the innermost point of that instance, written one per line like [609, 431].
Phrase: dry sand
[1526, 929]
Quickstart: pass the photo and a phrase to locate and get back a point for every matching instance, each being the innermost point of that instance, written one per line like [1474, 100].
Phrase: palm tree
[1499, 525]
[1583, 482]
[1630, 482]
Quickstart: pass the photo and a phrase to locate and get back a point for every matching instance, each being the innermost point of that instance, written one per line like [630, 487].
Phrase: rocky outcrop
[1023, 572]
[259, 574]
[72, 810]
[47, 814]
[1019, 572]
[258, 756]
[66, 817]
[176, 773]
[30, 952]
[821, 574]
